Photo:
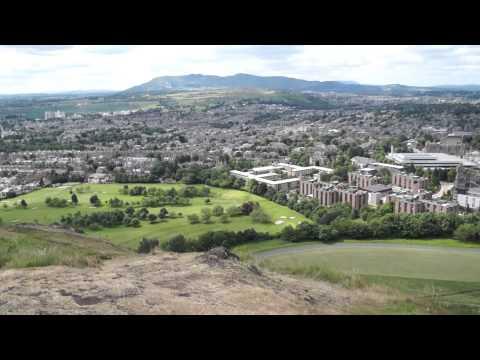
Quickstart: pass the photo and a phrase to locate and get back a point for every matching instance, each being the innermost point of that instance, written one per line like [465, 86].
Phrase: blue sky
[54, 68]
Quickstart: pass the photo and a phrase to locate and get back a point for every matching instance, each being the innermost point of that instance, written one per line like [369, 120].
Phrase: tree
[260, 216]
[206, 214]
[95, 200]
[23, 204]
[193, 218]
[218, 210]
[152, 218]
[288, 234]
[247, 207]
[74, 199]
[177, 243]
[224, 219]
[234, 211]
[163, 213]
[468, 233]
[146, 246]
[451, 175]
[130, 210]
[135, 223]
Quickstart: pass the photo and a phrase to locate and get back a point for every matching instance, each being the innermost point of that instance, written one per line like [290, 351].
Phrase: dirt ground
[168, 283]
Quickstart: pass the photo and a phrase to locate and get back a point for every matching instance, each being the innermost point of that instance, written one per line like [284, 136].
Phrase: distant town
[287, 148]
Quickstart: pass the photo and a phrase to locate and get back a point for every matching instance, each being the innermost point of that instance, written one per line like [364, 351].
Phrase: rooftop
[379, 188]
[435, 159]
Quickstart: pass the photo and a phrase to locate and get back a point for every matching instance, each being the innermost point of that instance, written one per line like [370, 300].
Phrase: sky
[57, 68]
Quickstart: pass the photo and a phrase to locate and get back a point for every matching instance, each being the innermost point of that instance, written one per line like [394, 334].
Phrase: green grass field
[451, 243]
[428, 279]
[418, 263]
[37, 211]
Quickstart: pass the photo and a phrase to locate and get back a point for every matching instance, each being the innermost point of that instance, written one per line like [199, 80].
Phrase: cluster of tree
[115, 203]
[129, 217]
[192, 191]
[247, 208]
[212, 239]
[56, 202]
[94, 220]
[468, 233]
[435, 176]
[156, 197]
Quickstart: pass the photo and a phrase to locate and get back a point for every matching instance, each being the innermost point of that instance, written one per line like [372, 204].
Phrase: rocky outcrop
[166, 283]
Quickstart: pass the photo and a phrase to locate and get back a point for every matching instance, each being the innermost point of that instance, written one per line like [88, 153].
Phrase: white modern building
[470, 200]
[429, 160]
[281, 176]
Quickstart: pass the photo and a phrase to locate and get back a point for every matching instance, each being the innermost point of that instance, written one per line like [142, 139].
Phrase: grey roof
[379, 188]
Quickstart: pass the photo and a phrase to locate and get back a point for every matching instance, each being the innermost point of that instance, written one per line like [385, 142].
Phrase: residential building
[411, 182]
[470, 200]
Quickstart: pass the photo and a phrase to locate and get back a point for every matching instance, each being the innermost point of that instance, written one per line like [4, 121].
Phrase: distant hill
[467, 87]
[198, 81]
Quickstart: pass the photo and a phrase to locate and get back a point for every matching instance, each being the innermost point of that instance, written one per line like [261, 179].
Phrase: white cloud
[49, 68]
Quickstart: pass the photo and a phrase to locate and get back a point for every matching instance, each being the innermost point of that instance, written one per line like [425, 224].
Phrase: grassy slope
[246, 250]
[447, 293]
[435, 263]
[24, 247]
[451, 243]
[130, 237]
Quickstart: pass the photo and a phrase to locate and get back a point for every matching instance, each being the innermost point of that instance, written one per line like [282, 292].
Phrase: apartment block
[328, 194]
[411, 182]
[361, 180]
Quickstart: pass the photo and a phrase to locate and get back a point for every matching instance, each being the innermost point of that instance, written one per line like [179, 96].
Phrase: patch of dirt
[215, 282]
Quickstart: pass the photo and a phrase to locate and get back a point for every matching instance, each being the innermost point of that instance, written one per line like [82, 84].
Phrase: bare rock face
[167, 283]
[216, 256]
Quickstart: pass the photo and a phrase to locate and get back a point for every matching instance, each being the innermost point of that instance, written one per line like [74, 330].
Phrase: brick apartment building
[361, 180]
[328, 195]
[415, 206]
[411, 182]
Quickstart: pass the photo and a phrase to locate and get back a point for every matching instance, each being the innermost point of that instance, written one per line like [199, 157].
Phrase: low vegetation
[33, 247]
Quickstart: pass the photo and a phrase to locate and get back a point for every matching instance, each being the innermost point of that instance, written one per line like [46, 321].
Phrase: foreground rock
[166, 283]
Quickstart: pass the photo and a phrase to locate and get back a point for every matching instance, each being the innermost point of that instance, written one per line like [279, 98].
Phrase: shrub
[56, 202]
[206, 215]
[146, 246]
[218, 210]
[152, 217]
[142, 213]
[260, 216]
[327, 234]
[234, 211]
[134, 223]
[247, 207]
[224, 219]
[468, 233]
[95, 201]
[163, 213]
[193, 219]
[23, 204]
[177, 243]
[115, 203]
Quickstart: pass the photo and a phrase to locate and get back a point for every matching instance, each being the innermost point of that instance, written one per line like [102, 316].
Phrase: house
[99, 178]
